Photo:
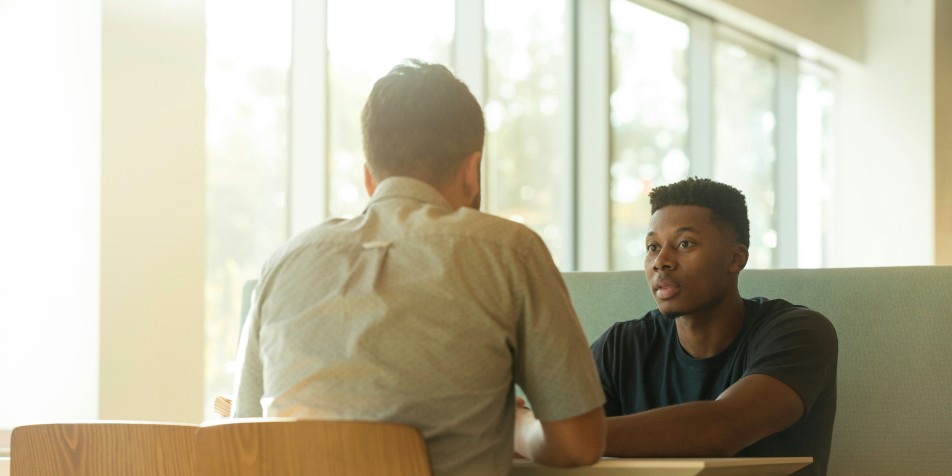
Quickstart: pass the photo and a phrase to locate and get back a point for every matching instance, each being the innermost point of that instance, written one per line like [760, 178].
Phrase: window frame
[587, 127]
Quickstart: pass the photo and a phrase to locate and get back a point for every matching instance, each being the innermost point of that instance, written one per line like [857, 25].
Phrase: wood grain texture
[288, 447]
[943, 132]
[103, 448]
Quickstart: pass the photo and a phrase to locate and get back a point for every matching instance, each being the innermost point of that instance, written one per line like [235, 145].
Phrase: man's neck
[708, 334]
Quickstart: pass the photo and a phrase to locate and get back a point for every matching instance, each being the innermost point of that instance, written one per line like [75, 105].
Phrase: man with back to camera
[709, 373]
[423, 310]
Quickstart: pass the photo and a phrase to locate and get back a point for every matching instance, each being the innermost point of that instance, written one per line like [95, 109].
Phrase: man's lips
[666, 288]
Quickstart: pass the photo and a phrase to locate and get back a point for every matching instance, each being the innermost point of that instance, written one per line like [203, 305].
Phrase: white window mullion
[469, 47]
[570, 258]
[701, 96]
[787, 172]
[469, 59]
[593, 150]
[308, 175]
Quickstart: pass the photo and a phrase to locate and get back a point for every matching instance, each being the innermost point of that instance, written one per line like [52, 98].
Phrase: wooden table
[644, 467]
[670, 467]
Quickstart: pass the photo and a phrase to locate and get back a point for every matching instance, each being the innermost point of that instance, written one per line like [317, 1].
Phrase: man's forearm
[574, 442]
[695, 429]
[530, 443]
[755, 407]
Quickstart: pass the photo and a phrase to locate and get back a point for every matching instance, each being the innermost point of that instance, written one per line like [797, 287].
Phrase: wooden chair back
[291, 447]
[100, 448]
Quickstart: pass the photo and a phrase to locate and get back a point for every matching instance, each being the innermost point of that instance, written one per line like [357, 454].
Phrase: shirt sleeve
[249, 386]
[603, 351]
[799, 348]
[553, 363]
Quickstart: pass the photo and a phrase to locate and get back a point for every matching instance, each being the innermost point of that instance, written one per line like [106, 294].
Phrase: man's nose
[664, 260]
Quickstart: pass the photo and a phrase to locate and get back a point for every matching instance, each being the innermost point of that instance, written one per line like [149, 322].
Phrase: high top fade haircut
[420, 121]
[727, 204]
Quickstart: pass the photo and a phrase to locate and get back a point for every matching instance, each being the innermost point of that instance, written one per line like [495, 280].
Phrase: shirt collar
[411, 188]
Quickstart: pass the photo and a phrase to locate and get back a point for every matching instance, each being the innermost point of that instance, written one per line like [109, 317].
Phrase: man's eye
[685, 244]
[652, 247]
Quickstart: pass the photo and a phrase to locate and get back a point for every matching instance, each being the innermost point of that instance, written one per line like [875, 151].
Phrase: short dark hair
[725, 202]
[420, 120]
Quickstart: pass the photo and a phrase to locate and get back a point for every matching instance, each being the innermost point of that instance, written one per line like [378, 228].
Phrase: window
[247, 164]
[649, 120]
[814, 161]
[50, 164]
[364, 40]
[528, 137]
[745, 82]
[582, 122]
[691, 97]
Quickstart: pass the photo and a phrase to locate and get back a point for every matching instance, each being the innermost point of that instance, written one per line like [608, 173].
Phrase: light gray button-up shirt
[420, 314]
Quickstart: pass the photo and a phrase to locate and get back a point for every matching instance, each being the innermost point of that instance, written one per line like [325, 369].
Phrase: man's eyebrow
[683, 229]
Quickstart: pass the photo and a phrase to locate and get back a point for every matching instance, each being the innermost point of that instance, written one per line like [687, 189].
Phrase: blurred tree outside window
[247, 164]
[745, 120]
[527, 154]
[649, 120]
[815, 99]
[365, 39]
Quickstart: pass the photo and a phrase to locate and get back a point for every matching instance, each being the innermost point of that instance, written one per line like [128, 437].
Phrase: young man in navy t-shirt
[710, 373]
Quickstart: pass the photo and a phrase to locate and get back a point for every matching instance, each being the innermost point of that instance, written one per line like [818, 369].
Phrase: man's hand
[524, 419]
[577, 441]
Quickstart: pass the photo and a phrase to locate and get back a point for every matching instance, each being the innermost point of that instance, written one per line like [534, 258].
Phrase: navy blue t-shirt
[643, 366]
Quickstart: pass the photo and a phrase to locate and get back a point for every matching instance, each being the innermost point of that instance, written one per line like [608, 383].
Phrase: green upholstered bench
[894, 402]
[894, 395]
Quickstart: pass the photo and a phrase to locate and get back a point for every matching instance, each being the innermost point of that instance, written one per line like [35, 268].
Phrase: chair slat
[290, 447]
[103, 448]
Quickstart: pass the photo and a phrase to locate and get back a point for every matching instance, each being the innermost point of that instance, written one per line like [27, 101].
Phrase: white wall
[883, 205]
[49, 209]
[153, 210]
[837, 25]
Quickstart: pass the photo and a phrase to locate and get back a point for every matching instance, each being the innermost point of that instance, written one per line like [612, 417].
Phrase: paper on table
[223, 405]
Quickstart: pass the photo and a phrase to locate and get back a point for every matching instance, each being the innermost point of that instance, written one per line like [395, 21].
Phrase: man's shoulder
[483, 229]
[650, 326]
[781, 308]
[483, 224]
[329, 230]
[773, 314]
[416, 223]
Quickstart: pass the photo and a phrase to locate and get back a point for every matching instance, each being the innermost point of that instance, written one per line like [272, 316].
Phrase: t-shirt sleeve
[799, 348]
[604, 351]
[553, 363]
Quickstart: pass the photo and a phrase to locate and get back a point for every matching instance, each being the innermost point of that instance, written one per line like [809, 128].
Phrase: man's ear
[739, 256]
[369, 184]
[471, 171]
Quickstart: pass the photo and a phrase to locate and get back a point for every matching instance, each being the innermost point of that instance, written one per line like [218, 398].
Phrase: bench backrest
[895, 369]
